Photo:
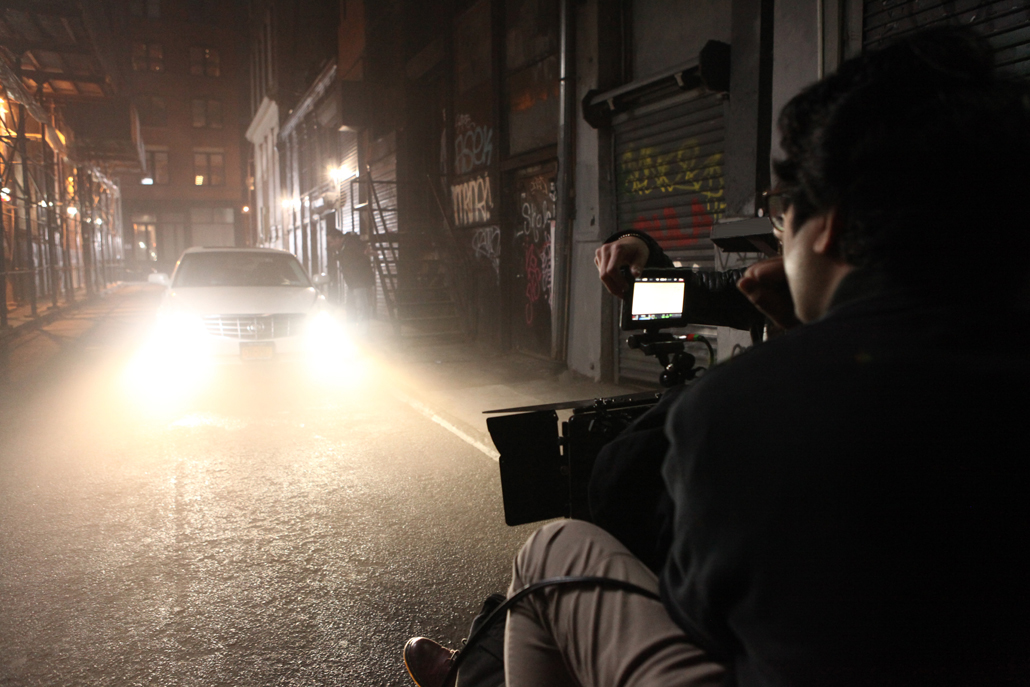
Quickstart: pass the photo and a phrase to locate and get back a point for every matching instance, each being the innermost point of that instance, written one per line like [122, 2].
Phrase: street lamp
[340, 174]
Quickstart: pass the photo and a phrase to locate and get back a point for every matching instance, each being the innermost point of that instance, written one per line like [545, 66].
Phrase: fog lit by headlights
[175, 364]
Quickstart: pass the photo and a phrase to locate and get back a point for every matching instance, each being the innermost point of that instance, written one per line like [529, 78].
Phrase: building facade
[505, 140]
[291, 45]
[186, 70]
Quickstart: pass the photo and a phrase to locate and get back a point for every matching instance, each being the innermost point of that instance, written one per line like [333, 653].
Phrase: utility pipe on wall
[565, 210]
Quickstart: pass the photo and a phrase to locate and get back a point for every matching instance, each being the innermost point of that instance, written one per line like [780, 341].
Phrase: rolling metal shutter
[669, 177]
[346, 218]
[1004, 23]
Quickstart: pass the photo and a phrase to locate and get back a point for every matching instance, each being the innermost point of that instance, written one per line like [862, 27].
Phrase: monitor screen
[657, 298]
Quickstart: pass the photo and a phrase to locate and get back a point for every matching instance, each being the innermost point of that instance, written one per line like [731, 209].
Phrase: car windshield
[228, 268]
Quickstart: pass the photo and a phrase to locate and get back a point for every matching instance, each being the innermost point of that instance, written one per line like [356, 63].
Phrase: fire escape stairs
[418, 288]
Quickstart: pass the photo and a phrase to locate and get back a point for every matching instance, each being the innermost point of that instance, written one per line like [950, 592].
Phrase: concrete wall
[586, 292]
[670, 32]
[795, 54]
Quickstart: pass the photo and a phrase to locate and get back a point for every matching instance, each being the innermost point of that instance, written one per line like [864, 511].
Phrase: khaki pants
[592, 636]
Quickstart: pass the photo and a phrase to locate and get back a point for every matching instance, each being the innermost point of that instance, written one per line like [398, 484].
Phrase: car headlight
[323, 330]
[179, 333]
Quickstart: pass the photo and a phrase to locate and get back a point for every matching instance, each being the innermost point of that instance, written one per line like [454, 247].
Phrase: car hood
[241, 300]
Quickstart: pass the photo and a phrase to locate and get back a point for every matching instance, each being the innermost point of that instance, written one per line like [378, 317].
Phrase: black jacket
[851, 501]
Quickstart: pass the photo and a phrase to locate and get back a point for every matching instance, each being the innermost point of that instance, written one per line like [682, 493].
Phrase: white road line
[427, 412]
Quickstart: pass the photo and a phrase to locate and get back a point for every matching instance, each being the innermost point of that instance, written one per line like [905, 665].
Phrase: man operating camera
[848, 501]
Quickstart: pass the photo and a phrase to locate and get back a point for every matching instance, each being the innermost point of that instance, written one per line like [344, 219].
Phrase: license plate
[257, 351]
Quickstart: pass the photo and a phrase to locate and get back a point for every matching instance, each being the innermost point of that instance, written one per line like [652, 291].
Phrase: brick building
[186, 70]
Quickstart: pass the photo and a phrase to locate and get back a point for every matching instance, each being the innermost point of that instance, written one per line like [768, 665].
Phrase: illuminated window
[157, 168]
[205, 62]
[148, 57]
[208, 168]
[207, 113]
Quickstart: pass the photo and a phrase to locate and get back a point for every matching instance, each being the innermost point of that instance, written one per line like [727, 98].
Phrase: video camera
[544, 475]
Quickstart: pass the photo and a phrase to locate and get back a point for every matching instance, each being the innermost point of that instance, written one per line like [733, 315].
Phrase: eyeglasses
[775, 204]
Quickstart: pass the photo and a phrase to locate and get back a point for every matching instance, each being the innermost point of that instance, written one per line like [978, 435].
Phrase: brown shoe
[429, 663]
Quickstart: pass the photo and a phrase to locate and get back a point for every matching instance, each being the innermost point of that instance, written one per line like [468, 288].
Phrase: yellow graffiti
[645, 171]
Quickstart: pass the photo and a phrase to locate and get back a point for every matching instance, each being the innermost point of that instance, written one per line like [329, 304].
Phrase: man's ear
[828, 231]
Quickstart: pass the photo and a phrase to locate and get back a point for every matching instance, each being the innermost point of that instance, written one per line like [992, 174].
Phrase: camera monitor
[656, 299]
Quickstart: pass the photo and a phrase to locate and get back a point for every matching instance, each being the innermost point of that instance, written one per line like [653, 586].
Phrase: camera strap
[518, 596]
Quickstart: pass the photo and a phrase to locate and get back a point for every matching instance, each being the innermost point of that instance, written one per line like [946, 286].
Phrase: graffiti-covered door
[533, 210]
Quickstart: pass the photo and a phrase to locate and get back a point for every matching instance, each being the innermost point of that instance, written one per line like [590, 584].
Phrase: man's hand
[628, 251]
[765, 285]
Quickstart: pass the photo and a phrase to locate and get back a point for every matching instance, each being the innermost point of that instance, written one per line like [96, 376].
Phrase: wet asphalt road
[270, 532]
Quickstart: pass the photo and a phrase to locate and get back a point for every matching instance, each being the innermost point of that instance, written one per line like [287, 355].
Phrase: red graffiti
[533, 275]
[667, 230]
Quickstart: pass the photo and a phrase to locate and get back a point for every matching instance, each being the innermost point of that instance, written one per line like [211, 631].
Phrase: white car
[242, 305]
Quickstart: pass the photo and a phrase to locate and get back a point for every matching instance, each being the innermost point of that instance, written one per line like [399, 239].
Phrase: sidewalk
[29, 343]
[19, 317]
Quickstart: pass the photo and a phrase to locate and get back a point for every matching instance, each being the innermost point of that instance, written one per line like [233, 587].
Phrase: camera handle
[669, 350]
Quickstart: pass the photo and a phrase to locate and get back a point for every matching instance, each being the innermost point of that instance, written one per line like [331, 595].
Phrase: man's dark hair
[925, 151]
[333, 234]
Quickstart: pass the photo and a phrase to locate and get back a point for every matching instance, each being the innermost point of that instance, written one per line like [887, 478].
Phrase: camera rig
[544, 475]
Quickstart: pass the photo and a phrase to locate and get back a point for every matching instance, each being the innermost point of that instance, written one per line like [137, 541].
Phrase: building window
[208, 168]
[207, 113]
[151, 9]
[148, 57]
[157, 168]
[152, 110]
[205, 62]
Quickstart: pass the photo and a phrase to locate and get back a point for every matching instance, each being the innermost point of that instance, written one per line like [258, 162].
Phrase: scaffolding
[60, 220]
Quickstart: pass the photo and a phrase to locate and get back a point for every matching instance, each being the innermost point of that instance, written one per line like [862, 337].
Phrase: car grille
[255, 327]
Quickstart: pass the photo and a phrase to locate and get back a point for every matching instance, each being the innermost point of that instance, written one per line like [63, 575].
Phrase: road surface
[273, 529]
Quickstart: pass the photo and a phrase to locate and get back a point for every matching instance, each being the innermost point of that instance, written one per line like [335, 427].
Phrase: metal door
[533, 207]
[669, 183]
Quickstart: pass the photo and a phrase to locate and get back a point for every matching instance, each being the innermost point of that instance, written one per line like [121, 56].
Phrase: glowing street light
[72, 211]
[340, 174]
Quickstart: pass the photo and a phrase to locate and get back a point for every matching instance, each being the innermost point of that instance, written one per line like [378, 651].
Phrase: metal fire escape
[418, 274]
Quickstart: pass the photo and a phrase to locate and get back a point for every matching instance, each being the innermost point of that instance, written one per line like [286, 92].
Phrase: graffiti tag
[668, 230]
[472, 201]
[473, 144]
[486, 245]
[537, 265]
[684, 169]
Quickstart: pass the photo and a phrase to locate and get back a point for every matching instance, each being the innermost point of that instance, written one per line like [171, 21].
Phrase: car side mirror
[321, 279]
[159, 278]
